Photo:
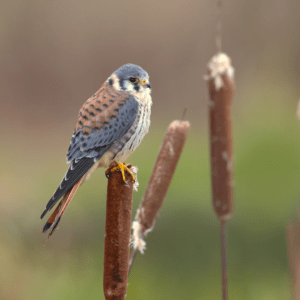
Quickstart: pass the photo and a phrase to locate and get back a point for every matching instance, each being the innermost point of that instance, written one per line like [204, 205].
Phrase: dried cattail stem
[293, 250]
[117, 235]
[221, 87]
[224, 259]
[159, 182]
[298, 109]
[162, 173]
[219, 27]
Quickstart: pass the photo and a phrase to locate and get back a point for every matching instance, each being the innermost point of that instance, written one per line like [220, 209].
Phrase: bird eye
[133, 79]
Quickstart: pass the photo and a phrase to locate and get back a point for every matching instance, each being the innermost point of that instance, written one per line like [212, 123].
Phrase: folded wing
[102, 121]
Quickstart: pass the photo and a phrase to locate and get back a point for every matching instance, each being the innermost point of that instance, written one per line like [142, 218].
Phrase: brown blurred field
[56, 54]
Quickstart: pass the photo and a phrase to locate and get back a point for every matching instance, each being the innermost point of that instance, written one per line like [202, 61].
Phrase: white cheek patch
[128, 86]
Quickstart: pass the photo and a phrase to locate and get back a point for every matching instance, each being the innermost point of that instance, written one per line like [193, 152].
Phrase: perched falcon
[110, 126]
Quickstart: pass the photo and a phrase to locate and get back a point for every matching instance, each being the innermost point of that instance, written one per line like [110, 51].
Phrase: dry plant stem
[117, 236]
[293, 249]
[132, 258]
[219, 27]
[161, 178]
[162, 173]
[221, 87]
[224, 260]
[221, 93]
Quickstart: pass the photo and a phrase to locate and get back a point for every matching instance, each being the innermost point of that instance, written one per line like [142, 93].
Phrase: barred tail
[60, 209]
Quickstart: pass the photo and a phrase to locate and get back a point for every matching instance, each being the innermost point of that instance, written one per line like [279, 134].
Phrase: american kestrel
[110, 126]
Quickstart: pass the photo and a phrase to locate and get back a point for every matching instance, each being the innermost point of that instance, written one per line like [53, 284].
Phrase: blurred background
[55, 54]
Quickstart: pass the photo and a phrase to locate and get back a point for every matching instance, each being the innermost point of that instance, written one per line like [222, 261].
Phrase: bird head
[131, 78]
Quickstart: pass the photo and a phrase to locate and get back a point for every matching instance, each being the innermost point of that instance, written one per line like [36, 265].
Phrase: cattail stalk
[293, 249]
[159, 182]
[221, 87]
[117, 235]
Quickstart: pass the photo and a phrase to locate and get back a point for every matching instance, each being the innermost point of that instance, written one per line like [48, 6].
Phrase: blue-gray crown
[130, 70]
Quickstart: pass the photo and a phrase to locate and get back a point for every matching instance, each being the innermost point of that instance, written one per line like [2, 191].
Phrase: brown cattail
[159, 182]
[221, 87]
[117, 235]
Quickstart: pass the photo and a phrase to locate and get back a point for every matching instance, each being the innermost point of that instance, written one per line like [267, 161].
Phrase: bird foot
[122, 167]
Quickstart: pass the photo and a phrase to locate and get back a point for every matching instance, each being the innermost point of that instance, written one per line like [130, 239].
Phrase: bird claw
[122, 167]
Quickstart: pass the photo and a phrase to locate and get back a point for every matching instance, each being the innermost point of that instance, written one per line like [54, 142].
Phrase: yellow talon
[123, 167]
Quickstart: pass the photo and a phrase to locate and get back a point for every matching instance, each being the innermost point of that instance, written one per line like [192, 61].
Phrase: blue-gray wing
[92, 138]
[99, 126]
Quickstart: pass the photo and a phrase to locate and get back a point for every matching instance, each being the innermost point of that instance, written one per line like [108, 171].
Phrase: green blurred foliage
[54, 55]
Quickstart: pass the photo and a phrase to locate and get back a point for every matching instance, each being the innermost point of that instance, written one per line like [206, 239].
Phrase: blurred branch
[221, 86]
[117, 235]
[298, 109]
[224, 259]
[158, 185]
[293, 249]
[183, 113]
[219, 27]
